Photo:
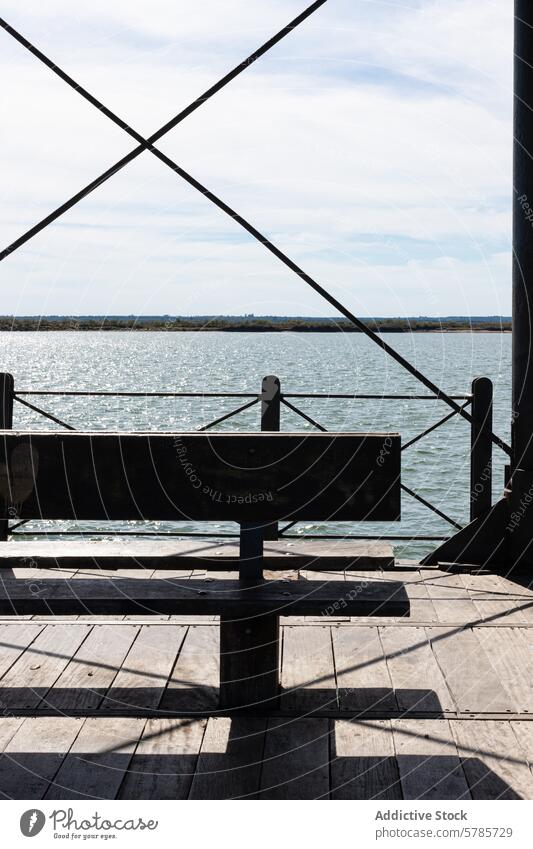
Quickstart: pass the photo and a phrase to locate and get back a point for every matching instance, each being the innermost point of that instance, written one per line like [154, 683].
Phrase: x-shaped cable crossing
[149, 145]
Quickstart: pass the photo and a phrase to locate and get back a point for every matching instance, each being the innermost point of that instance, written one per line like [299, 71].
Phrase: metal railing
[272, 401]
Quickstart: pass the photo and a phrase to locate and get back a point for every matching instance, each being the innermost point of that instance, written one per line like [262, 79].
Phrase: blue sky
[373, 145]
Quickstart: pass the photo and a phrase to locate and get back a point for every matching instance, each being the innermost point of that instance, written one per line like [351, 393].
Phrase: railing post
[481, 448]
[270, 421]
[7, 388]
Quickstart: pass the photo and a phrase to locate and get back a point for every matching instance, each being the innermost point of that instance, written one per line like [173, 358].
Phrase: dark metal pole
[520, 528]
[522, 443]
[6, 423]
[271, 421]
[481, 448]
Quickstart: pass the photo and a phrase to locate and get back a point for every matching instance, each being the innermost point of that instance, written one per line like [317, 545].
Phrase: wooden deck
[436, 706]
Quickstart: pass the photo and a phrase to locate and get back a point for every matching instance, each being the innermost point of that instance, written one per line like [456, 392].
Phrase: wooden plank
[296, 759]
[420, 602]
[417, 680]
[363, 678]
[205, 477]
[15, 638]
[165, 760]
[469, 675]
[495, 765]
[86, 679]
[231, 598]
[428, 761]
[29, 679]
[523, 732]
[363, 764]
[450, 597]
[194, 682]
[146, 669]
[9, 726]
[35, 753]
[183, 556]
[97, 761]
[229, 766]
[308, 672]
[511, 656]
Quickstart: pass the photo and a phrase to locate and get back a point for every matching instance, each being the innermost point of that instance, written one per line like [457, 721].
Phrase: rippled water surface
[437, 467]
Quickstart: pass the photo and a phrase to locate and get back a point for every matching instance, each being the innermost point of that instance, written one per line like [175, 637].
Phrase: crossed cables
[149, 144]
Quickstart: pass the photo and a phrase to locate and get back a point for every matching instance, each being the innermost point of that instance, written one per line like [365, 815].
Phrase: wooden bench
[254, 479]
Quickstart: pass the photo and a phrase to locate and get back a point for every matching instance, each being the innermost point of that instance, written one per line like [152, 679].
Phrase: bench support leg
[249, 663]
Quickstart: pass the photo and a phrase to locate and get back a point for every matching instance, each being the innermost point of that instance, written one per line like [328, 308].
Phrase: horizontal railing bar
[346, 396]
[318, 395]
[122, 534]
[402, 537]
[405, 537]
[139, 394]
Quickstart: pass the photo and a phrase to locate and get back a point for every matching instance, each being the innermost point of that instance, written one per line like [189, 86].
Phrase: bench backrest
[244, 477]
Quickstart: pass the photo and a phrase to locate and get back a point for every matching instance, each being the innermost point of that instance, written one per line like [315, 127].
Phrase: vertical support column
[249, 663]
[520, 528]
[251, 552]
[270, 421]
[7, 388]
[249, 648]
[481, 448]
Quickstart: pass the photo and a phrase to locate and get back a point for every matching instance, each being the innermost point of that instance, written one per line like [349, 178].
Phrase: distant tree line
[250, 324]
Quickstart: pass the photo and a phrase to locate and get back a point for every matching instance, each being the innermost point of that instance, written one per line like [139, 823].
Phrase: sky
[373, 145]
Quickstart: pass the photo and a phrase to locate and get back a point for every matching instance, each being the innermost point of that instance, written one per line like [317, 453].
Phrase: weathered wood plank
[183, 556]
[450, 597]
[511, 656]
[421, 604]
[428, 761]
[229, 766]
[231, 598]
[86, 679]
[417, 680]
[495, 765]
[469, 675]
[97, 761]
[363, 678]
[296, 759]
[194, 682]
[35, 753]
[146, 669]
[212, 477]
[363, 764]
[523, 732]
[15, 638]
[36, 671]
[164, 761]
[308, 671]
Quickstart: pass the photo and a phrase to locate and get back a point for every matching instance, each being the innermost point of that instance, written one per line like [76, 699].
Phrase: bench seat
[236, 599]
[208, 555]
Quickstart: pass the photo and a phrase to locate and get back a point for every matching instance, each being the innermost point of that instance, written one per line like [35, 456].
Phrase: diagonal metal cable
[43, 413]
[432, 427]
[229, 415]
[144, 144]
[147, 144]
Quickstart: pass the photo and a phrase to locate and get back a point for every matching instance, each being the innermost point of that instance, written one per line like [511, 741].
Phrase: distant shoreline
[250, 325]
